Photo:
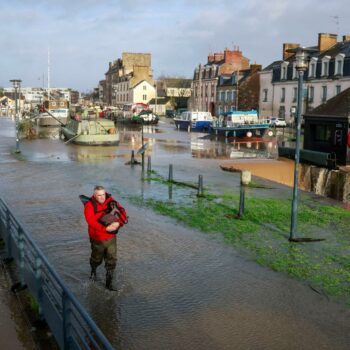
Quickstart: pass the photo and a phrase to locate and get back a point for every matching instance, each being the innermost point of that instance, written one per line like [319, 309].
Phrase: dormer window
[284, 66]
[325, 66]
[294, 74]
[312, 67]
[339, 64]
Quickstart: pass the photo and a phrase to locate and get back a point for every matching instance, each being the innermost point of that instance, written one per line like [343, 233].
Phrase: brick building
[206, 77]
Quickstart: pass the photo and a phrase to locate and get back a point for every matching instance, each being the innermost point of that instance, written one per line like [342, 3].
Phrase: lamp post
[301, 60]
[16, 84]
[155, 87]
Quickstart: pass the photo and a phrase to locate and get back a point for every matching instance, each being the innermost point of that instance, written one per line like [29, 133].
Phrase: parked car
[273, 121]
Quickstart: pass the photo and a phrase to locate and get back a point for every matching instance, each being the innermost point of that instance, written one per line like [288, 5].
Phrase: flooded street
[177, 288]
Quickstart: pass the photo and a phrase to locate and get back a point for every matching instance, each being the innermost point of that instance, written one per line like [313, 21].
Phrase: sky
[83, 36]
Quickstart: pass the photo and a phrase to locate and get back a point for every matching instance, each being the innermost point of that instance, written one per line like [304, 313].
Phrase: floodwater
[177, 288]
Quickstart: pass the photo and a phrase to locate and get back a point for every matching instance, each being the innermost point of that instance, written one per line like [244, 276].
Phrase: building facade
[123, 75]
[328, 74]
[206, 77]
[239, 90]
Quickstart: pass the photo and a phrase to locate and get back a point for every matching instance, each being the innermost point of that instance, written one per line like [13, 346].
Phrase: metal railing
[70, 324]
[323, 159]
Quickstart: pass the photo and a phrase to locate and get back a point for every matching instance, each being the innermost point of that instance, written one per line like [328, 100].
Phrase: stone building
[206, 77]
[124, 75]
[328, 74]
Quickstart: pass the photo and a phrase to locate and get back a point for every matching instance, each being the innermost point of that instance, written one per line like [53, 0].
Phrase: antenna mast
[337, 22]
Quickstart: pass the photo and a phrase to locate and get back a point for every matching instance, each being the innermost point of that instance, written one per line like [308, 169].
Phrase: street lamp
[155, 87]
[301, 64]
[17, 85]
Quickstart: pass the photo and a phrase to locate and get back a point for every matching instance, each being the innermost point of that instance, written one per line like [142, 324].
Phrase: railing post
[21, 255]
[38, 280]
[170, 177]
[8, 234]
[66, 321]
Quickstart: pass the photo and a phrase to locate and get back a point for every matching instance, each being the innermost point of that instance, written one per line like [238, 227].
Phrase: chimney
[255, 67]
[218, 57]
[326, 41]
[287, 46]
[346, 37]
[210, 58]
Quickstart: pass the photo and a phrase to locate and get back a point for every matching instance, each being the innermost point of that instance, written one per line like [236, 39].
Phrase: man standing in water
[103, 236]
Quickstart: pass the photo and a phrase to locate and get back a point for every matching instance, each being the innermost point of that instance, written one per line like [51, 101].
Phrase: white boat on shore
[59, 109]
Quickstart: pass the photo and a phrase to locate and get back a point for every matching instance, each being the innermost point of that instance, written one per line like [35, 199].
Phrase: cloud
[84, 35]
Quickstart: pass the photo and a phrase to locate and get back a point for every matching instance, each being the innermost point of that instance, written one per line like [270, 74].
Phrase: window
[234, 95]
[283, 94]
[325, 66]
[265, 91]
[339, 64]
[206, 90]
[295, 93]
[324, 93]
[228, 96]
[144, 87]
[311, 94]
[322, 133]
[284, 66]
[337, 89]
[312, 67]
[294, 74]
[144, 97]
[222, 96]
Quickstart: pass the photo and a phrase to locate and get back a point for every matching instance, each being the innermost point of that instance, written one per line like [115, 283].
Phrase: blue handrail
[71, 325]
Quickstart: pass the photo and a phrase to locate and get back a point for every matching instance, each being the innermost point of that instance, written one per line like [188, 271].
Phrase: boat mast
[48, 73]
[237, 74]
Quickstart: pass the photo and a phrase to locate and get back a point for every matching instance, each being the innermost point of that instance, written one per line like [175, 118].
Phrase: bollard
[149, 166]
[170, 177]
[170, 191]
[200, 186]
[132, 160]
[245, 180]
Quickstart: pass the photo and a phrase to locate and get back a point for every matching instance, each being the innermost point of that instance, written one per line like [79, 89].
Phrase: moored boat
[145, 117]
[194, 121]
[240, 124]
[59, 109]
[92, 132]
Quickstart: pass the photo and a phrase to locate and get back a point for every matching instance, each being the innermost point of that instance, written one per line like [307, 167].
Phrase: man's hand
[113, 227]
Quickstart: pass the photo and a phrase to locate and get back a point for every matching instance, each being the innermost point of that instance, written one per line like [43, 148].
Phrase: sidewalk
[15, 332]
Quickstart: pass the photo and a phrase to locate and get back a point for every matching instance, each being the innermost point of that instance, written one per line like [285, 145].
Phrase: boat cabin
[233, 118]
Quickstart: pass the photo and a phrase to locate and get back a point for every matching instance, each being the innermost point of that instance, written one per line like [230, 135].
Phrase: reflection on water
[258, 148]
[196, 145]
[48, 132]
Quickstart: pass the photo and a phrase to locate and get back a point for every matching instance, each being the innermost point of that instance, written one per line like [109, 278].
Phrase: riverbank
[15, 330]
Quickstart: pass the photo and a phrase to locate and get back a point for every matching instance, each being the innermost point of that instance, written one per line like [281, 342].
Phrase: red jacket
[96, 230]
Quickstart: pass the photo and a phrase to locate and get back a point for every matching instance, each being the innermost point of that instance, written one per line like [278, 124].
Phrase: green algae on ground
[264, 230]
